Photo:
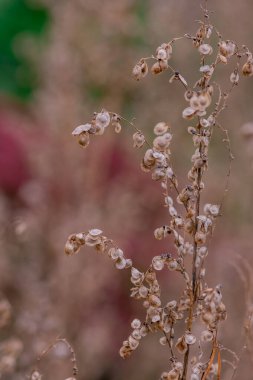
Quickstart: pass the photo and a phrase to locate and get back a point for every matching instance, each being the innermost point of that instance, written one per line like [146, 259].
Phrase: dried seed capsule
[205, 49]
[234, 77]
[158, 263]
[102, 119]
[139, 139]
[160, 128]
[189, 338]
[181, 345]
[140, 70]
[81, 128]
[84, 139]
[247, 69]
[35, 375]
[188, 113]
[136, 324]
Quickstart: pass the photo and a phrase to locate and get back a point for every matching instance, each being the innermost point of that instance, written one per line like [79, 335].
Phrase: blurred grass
[17, 75]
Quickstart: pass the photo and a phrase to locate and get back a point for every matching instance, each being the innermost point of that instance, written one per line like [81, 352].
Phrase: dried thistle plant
[193, 354]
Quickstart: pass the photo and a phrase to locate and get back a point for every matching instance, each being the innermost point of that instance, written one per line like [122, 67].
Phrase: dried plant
[196, 352]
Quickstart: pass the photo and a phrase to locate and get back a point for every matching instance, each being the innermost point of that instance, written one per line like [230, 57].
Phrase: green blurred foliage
[17, 75]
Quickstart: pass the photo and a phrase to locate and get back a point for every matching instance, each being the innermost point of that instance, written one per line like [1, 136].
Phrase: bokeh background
[60, 61]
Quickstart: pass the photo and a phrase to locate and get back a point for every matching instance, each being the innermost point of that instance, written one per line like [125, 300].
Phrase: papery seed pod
[171, 304]
[161, 53]
[170, 174]
[133, 343]
[207, 70]
[74, 244]
[157, 263]
[160, 233]
[188, 95]
[204, 123]
[189, 338]
[136, 323]
[158, 174]
[99, 131]
[159, 66]
[181, 345]
[117, 127]
[173, 265]
[234, 77]
[192, 130]
[35, 375]
[209, 30]
[120, 263]
[140, 70]
[189, 226]
[202, 252]
[172, 211]
[227, 48]
[168, 201]
[84, 139]
[154, 315]
[200, 237]
[144, 331]
[135, 273]
[102, 119]
[214, 210]
[188, 113]
[179, 222]
[156, 68]
[95, 232]
[168, 48]
[116, 253]
[161, 143]
[139, 139]
[247, 69]
[129, 263]
[143, 291]
[223, 59]
[205, 49]
[125, 352]
[136, 334]
[154, 301]
[160, 128]
[81, 128]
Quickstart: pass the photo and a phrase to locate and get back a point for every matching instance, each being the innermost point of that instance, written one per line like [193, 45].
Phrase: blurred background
[59, 62]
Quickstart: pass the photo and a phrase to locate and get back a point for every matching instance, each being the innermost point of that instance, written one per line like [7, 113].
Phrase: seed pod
[205, 49]
[159, 66]
[160, 128]
[200, 237]
[139, 139]
[234, 77]
[247, 69]
[102, 119]
[189, 338]
[188, 113]
[81, 128]
[140, 70]
[35, 375]
[158, 263]
[84, 139]
[181, 345]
